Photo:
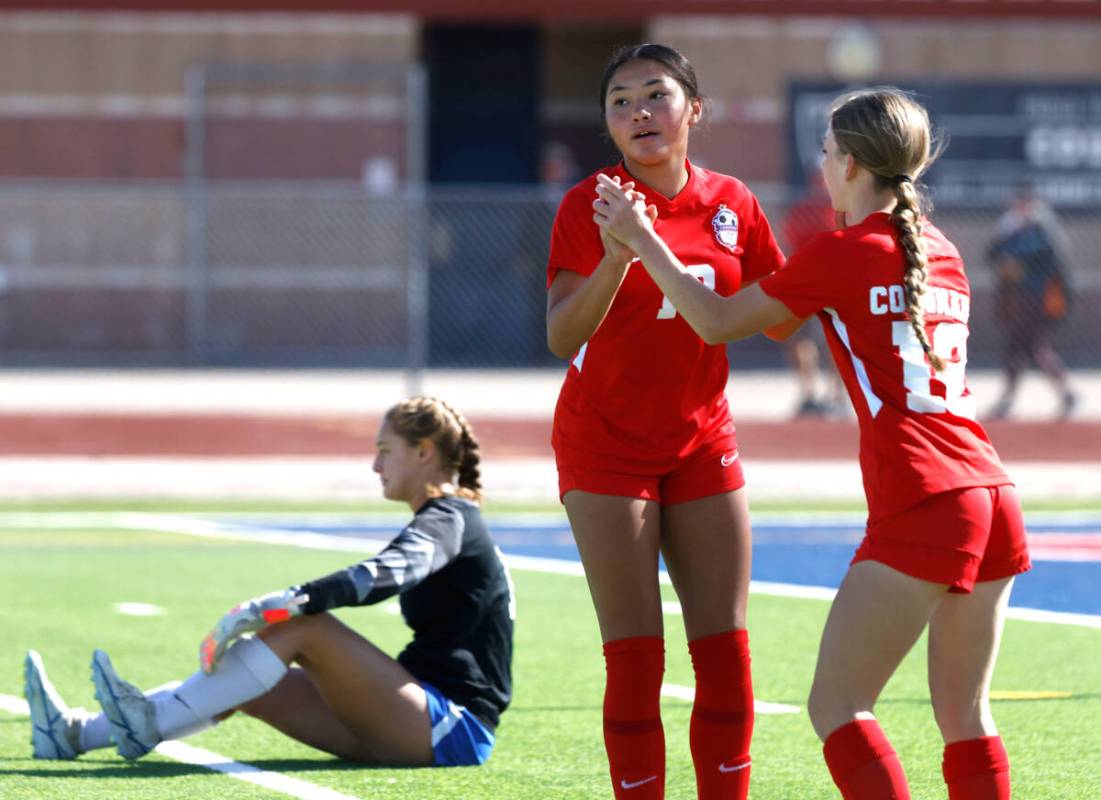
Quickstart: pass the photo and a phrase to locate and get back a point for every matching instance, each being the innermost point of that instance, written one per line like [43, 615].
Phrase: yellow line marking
[1024, 695]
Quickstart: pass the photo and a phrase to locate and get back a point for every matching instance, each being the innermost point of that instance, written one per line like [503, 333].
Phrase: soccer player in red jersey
[644, 443]
[945, 535]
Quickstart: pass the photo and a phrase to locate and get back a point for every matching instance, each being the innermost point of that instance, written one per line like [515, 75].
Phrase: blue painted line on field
[816, 555]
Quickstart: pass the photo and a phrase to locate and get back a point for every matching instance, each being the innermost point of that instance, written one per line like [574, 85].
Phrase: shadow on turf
[105, 769]
[110, 768]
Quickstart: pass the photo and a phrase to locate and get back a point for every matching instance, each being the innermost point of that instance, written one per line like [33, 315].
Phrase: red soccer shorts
[959, 538]
[714, 468]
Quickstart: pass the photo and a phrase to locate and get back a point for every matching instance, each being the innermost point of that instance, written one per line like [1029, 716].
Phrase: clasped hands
[622, 212]
[251, 615]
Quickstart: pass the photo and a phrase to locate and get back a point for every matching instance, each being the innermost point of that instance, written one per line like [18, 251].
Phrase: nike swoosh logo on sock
[735, 768]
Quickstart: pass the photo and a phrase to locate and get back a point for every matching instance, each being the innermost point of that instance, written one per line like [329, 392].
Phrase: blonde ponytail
[889, 134]
[419, 418]
[907, 217]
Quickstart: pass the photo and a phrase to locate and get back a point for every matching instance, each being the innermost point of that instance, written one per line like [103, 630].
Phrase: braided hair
[419, 418]
[888, 133]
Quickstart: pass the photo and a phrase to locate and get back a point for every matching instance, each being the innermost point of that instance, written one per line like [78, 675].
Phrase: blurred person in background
[1033, 295]
[809, 215]
[437, 704]
[644, 443]
[945, 536]
[558, 167]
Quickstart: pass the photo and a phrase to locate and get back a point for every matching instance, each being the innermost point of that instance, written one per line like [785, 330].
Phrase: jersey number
[704, 273]
[949, 341]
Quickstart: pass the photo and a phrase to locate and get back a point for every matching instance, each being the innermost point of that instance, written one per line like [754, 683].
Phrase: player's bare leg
[618, 538]
[875, 619]
[964, 635]
[381, 709]
[618, 541]
[804, 356]
[707, 549]
[1053, 367]
[296, 707]
[1016, 363]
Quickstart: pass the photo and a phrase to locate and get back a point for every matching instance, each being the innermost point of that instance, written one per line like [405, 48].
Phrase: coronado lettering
[937, 301]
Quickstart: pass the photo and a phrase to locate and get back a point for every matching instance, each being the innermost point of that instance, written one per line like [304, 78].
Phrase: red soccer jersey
[918, 434]
[645, 390]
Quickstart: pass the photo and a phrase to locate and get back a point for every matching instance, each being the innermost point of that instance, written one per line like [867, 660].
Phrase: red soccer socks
[722, 715]
[633, 735]
[977, 769]
[863, 763]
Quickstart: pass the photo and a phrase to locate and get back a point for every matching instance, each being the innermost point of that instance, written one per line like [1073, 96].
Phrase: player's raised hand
[613, 248]
[251, 615]
[622, 212]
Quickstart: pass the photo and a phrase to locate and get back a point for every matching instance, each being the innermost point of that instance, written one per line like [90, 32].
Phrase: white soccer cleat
[131, 715]
[49, 714]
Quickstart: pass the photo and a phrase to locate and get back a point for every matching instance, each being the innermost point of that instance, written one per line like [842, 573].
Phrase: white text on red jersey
[937, 301]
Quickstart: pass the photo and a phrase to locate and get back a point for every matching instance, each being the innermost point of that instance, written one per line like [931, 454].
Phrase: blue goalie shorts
[459, 739]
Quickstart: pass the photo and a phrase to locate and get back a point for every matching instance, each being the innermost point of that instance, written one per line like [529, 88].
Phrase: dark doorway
[483, 128]
[483, 104]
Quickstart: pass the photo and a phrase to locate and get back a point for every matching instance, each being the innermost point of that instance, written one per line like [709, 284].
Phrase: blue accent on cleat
[49, 714]
[128, 711]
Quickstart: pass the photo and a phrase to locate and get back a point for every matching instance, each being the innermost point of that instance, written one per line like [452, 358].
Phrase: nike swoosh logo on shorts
[724, 768]
[726, 461]
[637, 784]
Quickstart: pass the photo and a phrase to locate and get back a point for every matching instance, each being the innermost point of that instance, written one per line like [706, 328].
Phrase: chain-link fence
[312, 275]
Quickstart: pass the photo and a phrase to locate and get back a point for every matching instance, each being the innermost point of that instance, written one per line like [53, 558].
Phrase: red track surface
[247, 435]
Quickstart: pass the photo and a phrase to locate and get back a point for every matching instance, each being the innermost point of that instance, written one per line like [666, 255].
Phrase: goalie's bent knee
[260, 660]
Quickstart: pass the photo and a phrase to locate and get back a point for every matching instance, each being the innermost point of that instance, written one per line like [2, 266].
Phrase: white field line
[688, 694]
[1054, 617]
[817, 519]
[284, 784]
[1042, 553]
[824, 519]
[185, 753]
[174, 523]
[14, 705]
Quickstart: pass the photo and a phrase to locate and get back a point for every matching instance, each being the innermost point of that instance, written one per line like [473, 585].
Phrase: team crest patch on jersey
[725, 223]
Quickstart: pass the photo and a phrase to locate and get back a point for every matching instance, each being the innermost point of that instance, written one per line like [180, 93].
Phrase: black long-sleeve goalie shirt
[455, 594]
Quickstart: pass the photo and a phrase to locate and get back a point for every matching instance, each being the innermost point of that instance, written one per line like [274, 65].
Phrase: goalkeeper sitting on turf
[438, 703]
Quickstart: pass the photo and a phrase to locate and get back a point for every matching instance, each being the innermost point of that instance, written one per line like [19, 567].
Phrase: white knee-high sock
[249, 669]
[93, 731]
